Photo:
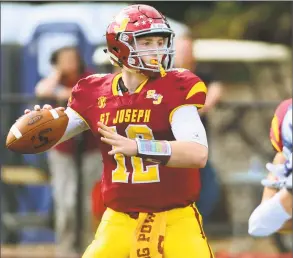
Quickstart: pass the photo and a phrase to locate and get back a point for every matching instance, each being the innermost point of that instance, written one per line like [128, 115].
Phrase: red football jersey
[276, 125]
[98, 207]
[89, 140]
[130, 184]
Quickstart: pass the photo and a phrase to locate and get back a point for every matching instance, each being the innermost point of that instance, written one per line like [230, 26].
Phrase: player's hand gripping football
[121, 144]
[46, 106]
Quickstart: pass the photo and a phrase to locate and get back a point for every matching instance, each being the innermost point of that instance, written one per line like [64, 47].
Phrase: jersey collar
[115, 87]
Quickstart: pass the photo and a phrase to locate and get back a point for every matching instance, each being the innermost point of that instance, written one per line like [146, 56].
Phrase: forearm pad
[154, 151]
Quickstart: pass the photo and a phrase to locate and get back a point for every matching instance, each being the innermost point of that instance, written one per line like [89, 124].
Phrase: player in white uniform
[270, 216]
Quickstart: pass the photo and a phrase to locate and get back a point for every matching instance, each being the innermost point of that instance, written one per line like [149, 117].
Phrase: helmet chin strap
[153, 62]
[162, 70]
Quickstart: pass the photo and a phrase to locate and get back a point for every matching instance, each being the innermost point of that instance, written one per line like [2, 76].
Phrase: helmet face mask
[163, 54]
[139, 21]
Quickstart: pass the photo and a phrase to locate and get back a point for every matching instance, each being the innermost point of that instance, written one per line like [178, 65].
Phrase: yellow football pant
[184, 235]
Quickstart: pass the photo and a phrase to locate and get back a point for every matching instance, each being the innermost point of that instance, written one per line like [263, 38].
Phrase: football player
[272, 183]
[275, 211]
[153, 142]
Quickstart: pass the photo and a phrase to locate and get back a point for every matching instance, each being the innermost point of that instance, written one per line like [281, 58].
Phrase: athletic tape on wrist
[153, 150]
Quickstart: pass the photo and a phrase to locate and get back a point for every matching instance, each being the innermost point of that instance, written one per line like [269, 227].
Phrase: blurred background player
[274, 211]
[68, 69]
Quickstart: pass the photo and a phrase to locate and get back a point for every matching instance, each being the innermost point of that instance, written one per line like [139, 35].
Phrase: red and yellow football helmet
[136, 21]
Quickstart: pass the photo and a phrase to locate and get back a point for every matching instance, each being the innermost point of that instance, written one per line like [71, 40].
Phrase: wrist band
[154, 151]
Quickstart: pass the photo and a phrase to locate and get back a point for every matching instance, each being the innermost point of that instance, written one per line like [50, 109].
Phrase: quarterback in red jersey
[140, 115]
[153, 142]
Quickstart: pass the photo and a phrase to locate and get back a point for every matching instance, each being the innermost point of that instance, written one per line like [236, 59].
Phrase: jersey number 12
[140, 174]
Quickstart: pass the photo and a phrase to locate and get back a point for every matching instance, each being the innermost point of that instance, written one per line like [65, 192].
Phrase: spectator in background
[184, 58]
[68, 69]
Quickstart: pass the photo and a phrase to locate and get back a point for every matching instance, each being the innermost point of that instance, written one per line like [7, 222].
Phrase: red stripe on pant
[197, 216]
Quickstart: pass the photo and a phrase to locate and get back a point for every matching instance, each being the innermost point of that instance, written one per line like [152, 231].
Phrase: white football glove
[281, 172]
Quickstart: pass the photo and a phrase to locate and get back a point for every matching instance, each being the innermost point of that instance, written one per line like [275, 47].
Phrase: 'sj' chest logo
[157, 98]
[101, 102]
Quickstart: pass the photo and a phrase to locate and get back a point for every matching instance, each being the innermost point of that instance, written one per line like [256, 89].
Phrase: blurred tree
[267, 21]
[177, 10]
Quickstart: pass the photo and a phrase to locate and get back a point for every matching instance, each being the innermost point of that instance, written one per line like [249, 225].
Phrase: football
[37, 131]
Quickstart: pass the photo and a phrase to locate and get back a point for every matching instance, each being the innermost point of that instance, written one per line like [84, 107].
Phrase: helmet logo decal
[125, 37]
[122, 25]
[143, 22]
